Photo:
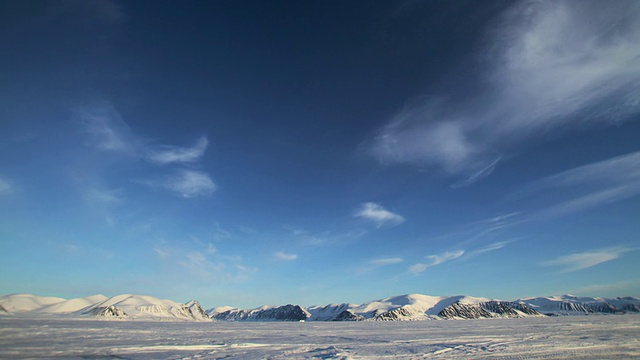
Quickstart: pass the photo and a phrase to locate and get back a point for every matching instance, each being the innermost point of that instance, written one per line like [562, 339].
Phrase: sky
[247, 153]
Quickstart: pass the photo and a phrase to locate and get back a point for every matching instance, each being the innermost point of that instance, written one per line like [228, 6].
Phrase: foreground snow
[584, 337]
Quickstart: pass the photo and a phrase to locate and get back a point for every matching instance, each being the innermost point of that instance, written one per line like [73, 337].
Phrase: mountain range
[397, 308]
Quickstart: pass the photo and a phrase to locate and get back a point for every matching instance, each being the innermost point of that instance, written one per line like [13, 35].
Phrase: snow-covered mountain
[424, 307]
[397, 308]
[22, 303]
[266, 313]
[404, 307]
[121, 306]
[574, 305]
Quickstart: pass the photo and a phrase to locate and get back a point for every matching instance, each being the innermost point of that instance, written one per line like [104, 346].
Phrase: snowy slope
[423, 307]
[22, 303]
[265, 313]
[71, 306]
[334, 312]
[572, 305]
[146, 307]
[121, 306]
[403, 307]
[397, 308]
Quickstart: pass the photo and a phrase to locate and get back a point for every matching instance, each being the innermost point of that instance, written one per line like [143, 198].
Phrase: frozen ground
[575, 337]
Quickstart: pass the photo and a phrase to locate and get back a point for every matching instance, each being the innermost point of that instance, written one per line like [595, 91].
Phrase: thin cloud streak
[549, 64]
[601, 183]
[280, 255]
[6, 187]
[491, 247]
[167, 154]
[623, 169]
[108, 132]
[587, 259]
[378, 214]
[204, 265]
[436, 260]
[191, 183]
[385, 262]
[481, 174]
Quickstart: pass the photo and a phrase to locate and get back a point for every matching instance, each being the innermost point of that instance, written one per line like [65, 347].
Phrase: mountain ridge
[408, 307]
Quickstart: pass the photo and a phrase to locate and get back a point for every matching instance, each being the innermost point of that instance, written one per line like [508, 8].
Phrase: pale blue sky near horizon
[247, 153]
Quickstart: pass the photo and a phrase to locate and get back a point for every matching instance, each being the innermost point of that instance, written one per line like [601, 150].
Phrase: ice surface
[585, 337]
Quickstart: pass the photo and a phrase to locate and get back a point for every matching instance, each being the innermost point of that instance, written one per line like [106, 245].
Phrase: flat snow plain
[575, 337]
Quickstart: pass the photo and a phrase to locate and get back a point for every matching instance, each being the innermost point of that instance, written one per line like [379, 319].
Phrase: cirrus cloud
[546, 66]
[435, 260]
[378, 214]
[586, 259]
[280, 255]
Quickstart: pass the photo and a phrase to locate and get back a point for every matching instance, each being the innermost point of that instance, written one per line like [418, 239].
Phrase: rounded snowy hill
[20, 303]
[148, 307]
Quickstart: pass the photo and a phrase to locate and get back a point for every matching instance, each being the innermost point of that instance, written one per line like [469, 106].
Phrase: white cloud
[384, 262]
[435, 260]
[619, 170]
[279, 255]
[612, 289]
[491, 247]
[587, 259]
[108, 132]
[547, 65]
[446, 256]
[418, 268]
[167, 154]
[595, 184]
[211, 249]
[6, 186]
[191, 183]
[104, 197]
[477, 176]
[378, 214]
[107, 129]
[202, 265]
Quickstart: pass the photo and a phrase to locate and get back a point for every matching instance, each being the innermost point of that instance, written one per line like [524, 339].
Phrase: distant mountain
[266, 313]
[138, 306]
[574, 305]
[22, 303]
[122, 306]
[397, 308]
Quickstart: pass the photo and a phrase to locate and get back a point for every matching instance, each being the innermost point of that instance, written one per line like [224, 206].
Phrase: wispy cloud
[435, 260]
[386, 261]
[167, 154]
[190, 183]
[104, 197]
[619, 170]
[280, 255]
[328, 237]
[547, 65]
[477, 176]
[596, 184]
[625, 287]
[587, 259]
[203, 264]
[6, 186]
[491, 247]
[108, 132]
[378, 214]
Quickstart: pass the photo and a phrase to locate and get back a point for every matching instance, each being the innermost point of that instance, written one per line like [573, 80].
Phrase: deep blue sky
[263, 152]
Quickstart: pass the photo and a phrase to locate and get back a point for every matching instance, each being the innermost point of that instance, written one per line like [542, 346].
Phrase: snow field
[585, 337]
